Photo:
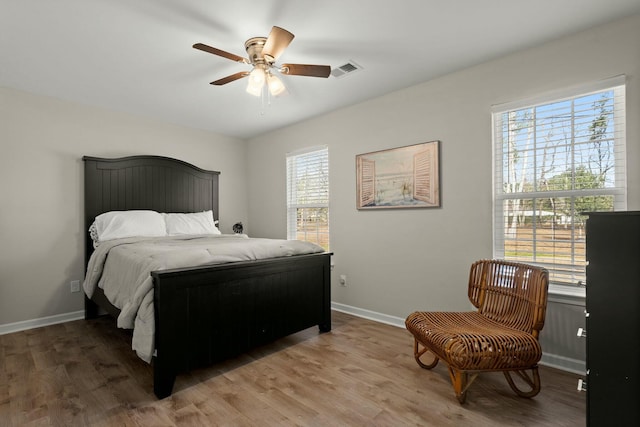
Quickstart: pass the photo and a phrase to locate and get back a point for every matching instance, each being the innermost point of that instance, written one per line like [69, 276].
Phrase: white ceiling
[135, 56]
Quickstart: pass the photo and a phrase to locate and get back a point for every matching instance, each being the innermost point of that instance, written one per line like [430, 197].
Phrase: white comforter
[122, 269]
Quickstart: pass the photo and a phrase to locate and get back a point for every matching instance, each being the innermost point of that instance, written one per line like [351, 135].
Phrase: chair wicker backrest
[510, 293]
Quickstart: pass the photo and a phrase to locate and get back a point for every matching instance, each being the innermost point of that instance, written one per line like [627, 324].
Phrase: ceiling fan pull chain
[263, 94]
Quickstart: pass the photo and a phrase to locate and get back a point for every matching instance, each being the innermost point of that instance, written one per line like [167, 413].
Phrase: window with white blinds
[555, 160]
[308, 196]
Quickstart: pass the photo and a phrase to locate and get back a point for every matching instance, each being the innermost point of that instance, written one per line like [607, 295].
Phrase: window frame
[322, 156]
[619, 191]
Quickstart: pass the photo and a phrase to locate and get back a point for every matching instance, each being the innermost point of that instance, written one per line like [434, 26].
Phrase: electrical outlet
[343, 280]
[75, 286]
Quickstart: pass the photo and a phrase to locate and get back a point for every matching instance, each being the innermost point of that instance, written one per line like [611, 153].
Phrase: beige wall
[402, 260]
[41, 190]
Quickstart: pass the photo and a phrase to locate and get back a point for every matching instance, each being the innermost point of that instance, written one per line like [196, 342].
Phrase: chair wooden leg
[461, 382]
[533, 381]
[418, 352]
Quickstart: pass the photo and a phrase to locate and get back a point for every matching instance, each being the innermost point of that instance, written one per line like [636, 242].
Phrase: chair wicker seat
[470, 341]
[501, 336]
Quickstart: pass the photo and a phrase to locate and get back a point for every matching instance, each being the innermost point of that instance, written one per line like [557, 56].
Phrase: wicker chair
[501, 336]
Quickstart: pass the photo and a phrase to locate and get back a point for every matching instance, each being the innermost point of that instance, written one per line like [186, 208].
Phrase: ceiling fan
[263, 53]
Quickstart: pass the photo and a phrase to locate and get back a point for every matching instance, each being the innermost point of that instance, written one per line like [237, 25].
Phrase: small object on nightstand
[237, 228]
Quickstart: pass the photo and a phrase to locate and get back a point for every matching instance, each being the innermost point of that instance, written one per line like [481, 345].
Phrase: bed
[207, 313]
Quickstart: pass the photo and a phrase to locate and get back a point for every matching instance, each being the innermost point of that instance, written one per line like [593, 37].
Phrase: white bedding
[122, 269]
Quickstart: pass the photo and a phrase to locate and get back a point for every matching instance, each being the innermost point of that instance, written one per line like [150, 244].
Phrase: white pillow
[94, 234]
[121, 224]
[179, 224]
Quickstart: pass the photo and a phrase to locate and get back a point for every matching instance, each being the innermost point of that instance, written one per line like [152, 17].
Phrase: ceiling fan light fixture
[256, 81]
[276, 87]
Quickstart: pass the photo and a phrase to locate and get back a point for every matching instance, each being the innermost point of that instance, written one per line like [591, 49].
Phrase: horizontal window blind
[555, 161]
[308, 196]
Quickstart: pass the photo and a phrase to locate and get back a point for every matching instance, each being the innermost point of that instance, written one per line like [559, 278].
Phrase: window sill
[567, 294]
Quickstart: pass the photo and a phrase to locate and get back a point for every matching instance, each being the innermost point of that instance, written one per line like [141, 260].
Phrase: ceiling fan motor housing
[254, 48]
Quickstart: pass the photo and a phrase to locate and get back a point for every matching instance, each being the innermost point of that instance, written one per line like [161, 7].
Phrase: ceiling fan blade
[306, 70]
[277, 42]
[231, 78]
[219, 52]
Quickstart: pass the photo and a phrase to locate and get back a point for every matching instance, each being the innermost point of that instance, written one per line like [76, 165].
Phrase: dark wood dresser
[613, 319]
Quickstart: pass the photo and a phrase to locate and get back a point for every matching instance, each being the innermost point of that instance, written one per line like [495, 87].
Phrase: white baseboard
[552, 360]
[368, 314]
[563, 363]
[43, 321]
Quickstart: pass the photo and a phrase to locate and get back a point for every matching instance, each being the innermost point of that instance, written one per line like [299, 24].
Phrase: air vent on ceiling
[348, 68]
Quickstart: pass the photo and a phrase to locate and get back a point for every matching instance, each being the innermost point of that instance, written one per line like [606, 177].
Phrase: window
[308, 196]
[556, 159]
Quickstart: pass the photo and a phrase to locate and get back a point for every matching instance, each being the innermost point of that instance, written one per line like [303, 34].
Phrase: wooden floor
[360, 373]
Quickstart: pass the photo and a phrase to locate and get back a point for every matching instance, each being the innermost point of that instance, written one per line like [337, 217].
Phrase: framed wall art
[403, 177]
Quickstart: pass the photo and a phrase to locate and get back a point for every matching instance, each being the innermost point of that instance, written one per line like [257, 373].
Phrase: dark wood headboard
[146, 182]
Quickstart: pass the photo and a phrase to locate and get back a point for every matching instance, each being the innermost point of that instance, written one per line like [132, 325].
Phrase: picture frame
[399, 178]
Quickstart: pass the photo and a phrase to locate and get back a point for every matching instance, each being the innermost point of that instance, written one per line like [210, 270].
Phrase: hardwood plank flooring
[361, 373]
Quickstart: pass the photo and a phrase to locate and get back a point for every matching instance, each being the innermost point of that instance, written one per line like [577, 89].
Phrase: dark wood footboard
[207, 314]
